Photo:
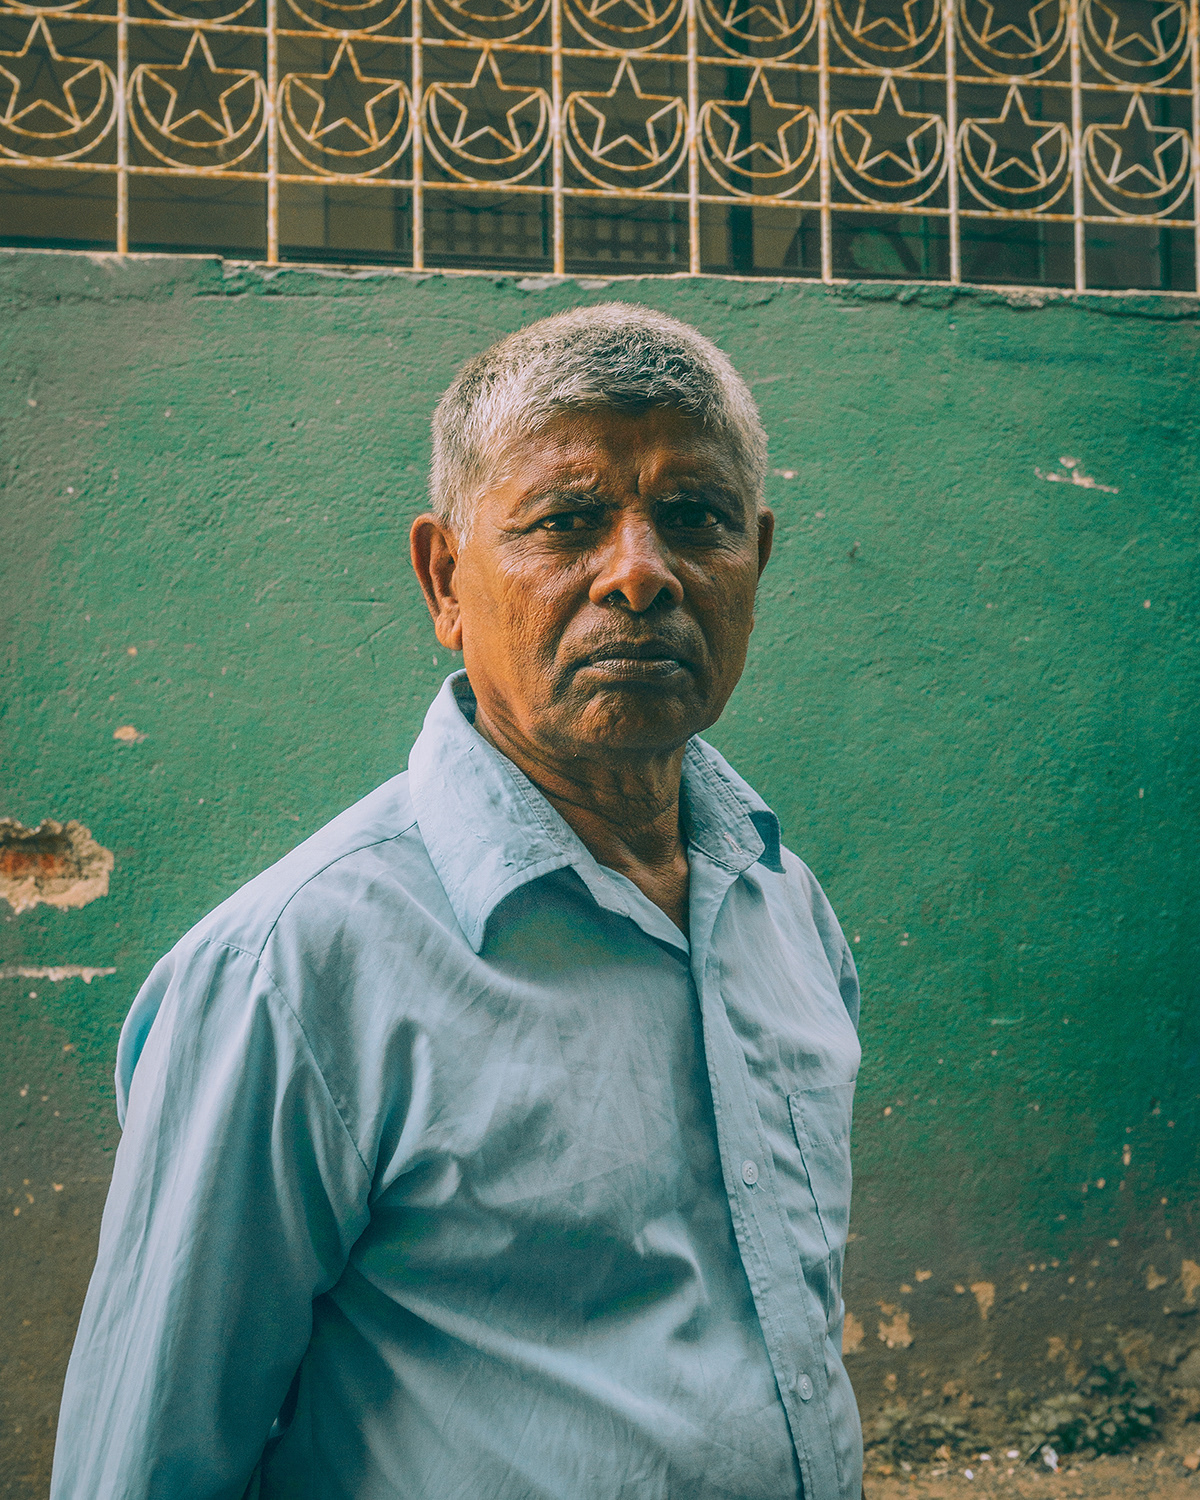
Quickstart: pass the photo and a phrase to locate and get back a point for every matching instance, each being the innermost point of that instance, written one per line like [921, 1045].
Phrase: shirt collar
[488, 830]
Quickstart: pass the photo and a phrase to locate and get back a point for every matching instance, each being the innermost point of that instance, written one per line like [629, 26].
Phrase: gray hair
[614, 355]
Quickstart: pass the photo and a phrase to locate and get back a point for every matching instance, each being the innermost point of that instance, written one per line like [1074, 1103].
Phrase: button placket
[789, 1328]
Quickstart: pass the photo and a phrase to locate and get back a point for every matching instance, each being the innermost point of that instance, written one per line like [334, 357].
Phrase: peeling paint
[1154, 1280]
[58, 864]
[985, 1295]
[853, 1334]
[55, 973]
[1071, 473]
[1189, 1276]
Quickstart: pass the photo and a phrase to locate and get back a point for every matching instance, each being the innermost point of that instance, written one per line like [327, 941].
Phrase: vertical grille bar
[693, 114]
[418, 138]
[122, 127]
[1195, 41]
[556, 90]
[272, 135]
[952, 141]
[823, 96]
[1077, 148]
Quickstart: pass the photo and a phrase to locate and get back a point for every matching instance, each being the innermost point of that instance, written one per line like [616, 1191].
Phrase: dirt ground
[1157, 1470]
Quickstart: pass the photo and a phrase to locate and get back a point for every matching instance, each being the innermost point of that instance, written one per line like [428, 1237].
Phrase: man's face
[604, 598]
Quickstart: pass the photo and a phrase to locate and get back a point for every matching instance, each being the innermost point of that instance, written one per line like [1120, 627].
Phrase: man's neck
[626, 812]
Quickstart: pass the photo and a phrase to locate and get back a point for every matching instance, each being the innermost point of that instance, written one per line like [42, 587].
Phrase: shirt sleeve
[236, 1196]
[848, 984]
[833, 940]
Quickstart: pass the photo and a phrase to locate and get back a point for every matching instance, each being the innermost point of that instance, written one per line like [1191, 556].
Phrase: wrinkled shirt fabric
[452, 1169]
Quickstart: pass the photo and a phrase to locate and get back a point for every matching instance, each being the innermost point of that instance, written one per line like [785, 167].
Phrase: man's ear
[766, 535]
[434, 549]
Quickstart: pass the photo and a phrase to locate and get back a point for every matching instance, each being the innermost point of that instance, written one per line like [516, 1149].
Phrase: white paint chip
[1071, 472]
[55, 973]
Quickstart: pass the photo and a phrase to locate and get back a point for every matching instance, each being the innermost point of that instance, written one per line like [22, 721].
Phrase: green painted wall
[971, 697]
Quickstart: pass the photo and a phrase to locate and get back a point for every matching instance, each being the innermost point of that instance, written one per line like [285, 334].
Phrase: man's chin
[638, 717]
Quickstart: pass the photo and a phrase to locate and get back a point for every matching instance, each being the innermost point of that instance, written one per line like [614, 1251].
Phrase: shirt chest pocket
[821, 1121]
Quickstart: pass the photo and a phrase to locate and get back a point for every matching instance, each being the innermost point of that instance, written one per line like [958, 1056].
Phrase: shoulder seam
[308, 879]
[257, 960]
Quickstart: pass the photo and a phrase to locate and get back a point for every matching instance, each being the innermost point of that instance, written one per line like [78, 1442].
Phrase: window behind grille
[1030, 142]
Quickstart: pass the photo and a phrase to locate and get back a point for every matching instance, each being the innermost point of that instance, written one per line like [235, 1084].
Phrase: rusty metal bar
[952, 142]
[272, 136]
[556, 149]
[1195, 40]
[522, 188]
[823, 132]
[122, 127]
[418, 137]
[1077, 147]
[693, 148]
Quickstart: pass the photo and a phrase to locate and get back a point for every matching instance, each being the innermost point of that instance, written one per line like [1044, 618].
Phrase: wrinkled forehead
[622, 447]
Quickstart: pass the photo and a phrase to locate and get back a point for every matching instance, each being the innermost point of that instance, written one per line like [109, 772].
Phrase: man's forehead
[589, 446]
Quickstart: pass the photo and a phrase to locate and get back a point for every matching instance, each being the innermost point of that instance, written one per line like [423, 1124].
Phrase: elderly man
[493, 1145]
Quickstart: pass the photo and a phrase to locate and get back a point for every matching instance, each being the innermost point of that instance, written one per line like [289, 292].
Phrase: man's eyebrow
[704, 489]
[581, 493]
[587, 492]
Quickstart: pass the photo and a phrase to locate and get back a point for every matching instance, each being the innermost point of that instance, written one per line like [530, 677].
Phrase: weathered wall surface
[971, 698]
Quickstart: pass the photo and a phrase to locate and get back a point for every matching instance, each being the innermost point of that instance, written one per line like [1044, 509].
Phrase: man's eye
[569, 520]
[693, 517]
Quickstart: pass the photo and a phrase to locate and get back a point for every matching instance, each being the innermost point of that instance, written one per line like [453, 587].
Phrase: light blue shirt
[451, 1169]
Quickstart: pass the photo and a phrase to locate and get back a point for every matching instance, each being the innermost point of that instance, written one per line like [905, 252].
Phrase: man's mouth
[635, 662]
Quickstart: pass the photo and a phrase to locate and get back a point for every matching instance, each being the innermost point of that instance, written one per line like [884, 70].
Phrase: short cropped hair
[615, 355]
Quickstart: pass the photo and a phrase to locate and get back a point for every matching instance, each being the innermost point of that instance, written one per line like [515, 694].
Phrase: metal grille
[1051, 141]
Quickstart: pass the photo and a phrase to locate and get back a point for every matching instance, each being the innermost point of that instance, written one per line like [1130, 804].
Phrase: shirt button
[805, 1388]
[749, 1173]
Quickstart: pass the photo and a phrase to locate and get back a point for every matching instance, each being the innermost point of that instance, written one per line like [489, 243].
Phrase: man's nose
[634, 570]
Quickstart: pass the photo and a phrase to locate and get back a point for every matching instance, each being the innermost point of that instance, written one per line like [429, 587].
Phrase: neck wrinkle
[625, 822]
